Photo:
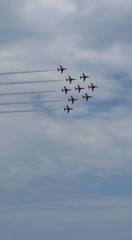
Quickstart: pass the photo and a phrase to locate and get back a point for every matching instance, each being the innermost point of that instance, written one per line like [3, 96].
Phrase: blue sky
[67, 175]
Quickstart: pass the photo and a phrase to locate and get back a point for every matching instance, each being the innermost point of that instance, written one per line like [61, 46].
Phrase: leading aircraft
[72, 99]
[83, 76]
[70, 79]
[78, 88]
[61, 69]
[86, 96]
[92, 86]
[67, 108]
[65, 89]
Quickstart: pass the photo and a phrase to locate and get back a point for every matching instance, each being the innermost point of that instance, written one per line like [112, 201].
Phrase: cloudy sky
[67, 176]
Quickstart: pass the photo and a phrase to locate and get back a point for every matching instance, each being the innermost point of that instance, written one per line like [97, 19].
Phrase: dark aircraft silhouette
[78, 88]
[65, 89]
[67, 108]
[83, 76]
[72, 99]
[86, 96]
[70, 79]
[61, 69]
[92, 86]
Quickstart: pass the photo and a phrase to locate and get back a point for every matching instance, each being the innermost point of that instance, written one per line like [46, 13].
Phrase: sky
[66, 176]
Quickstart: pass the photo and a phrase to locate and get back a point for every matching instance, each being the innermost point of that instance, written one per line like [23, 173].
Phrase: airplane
[83, 76]
[70, 79]
[86, 96]
[67, 108]
[78, 88]
[65, 89]
[61, 69]
[92, 86]
[72, 99]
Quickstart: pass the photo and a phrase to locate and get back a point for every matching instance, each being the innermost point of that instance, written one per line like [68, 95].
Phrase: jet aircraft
[83, 76]
[72, 99]
[65, 89]
[61, 69]
[70, 79]
[78, 88]
[92, 86]
[67, 108]
[86, 96]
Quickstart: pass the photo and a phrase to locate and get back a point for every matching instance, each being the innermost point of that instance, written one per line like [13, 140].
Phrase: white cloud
[83, 36]
[52, 164]
[40, 146]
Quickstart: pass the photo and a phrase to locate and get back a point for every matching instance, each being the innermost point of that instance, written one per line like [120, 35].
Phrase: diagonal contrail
[25, 72]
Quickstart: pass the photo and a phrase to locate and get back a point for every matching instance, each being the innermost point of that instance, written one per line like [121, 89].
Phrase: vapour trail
[28, 111]
[30, 102]
[25, 72]
[29, 82]
[24, 93]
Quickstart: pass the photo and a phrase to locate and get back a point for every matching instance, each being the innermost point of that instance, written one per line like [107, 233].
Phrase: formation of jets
[71, 100]
[77, 88]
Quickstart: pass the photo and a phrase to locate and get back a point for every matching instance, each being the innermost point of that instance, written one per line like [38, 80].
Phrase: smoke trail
[29, 82]
[24, 93]
[30, 102]
[28, 111]
[25, 72]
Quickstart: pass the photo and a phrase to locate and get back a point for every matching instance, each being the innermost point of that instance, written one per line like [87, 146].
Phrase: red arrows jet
[78, 88]
[70, 79]
[65, 89]
[86, 96]
[61, 69]
[92, 86]
[83, 76]
[67, 108]
[72, 99]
